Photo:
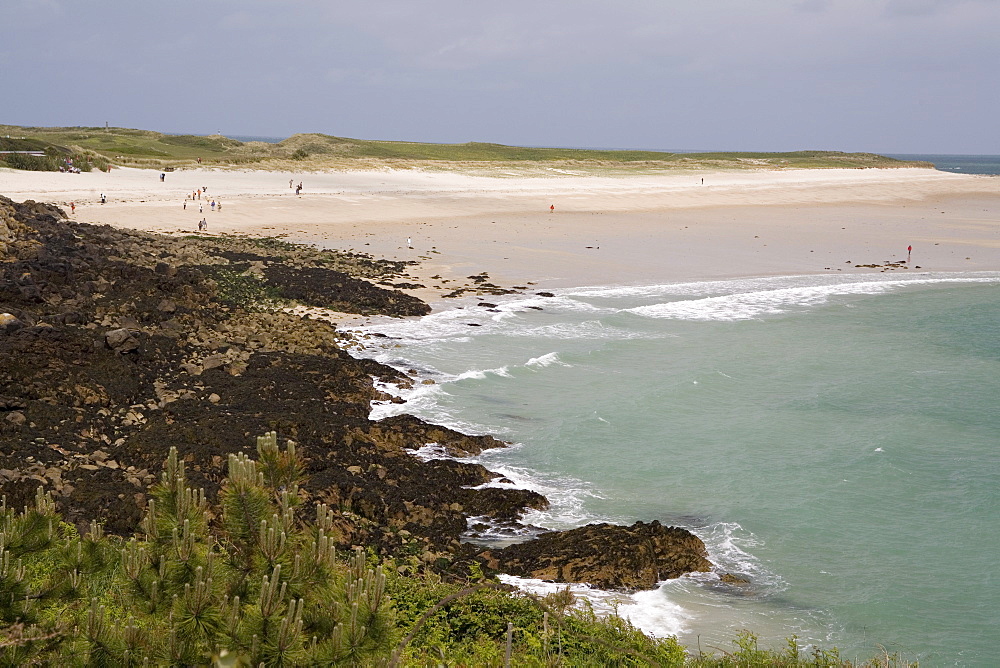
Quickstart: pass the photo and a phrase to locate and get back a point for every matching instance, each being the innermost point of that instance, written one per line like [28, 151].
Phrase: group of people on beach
[197, 193]
[298, 188]
[196, 196]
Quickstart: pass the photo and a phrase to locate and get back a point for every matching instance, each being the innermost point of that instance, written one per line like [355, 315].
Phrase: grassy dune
[145, 148]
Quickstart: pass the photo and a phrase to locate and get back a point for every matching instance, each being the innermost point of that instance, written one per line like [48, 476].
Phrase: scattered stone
[9, 323]
[121, 341]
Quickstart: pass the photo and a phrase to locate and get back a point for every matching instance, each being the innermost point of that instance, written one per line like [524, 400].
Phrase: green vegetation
[248, 582]
[144, 148]
[240, 288]
[17, 154]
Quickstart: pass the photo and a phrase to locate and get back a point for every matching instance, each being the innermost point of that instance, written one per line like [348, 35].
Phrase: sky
[886, 76]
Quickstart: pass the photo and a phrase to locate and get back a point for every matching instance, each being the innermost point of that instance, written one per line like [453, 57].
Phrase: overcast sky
[890, 76]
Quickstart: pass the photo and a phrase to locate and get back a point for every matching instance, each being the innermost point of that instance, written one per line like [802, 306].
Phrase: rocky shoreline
[116, 345]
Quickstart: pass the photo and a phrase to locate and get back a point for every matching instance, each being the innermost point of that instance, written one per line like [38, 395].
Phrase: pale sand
[624, 229]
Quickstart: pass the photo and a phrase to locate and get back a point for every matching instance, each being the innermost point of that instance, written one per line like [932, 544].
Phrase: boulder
[9, 323]
[608, 556]
[121, 340]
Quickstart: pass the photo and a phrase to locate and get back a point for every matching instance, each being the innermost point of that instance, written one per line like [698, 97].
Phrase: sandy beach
[620, 229]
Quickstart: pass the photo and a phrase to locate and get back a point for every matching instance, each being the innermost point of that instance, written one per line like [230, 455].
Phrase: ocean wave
[729, 546]
[545, 360]
[479, 374]
[757, 303]
[588, 329]
[745, 285]
[567, 495]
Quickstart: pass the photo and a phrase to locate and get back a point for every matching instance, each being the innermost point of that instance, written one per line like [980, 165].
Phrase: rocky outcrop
[406, 431]
[10, 226]
[607, 556]
[117, 345]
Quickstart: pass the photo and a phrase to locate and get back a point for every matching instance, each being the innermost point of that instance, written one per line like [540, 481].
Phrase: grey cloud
[713, 74]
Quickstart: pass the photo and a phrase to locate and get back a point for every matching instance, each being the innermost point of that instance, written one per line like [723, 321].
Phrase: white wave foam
[567, 496]
[562, 302]
[431, 451]
[728, 544]
[737, 286]
[588, 329]
[479, 374]
[651, 611]
[545, 360]
[756, 303]
[413, 398]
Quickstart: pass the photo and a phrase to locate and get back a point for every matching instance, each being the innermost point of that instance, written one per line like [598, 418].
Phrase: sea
[959, 164]
[834, 440]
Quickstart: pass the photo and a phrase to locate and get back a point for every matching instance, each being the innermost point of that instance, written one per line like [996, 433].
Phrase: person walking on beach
[72, 207]
[185, 204]
[290, 184]
[213, 205]
[220, 206]
[909, 250]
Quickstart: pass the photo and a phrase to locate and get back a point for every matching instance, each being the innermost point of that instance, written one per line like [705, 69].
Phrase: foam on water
[736, 408]
[750, 285]
[648, 611]
[514, 315]
[545, 360]
[753, 304]
[567, 495]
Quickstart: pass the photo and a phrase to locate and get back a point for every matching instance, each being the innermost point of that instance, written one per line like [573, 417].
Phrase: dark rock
[608, 556]
[12, 403]
[503, 503]
[730, 579]
[327, 288]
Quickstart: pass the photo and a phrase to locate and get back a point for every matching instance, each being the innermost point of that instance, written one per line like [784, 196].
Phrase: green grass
[146, 148]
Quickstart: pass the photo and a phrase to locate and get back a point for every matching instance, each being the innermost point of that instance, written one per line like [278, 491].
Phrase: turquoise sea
[834, 439]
